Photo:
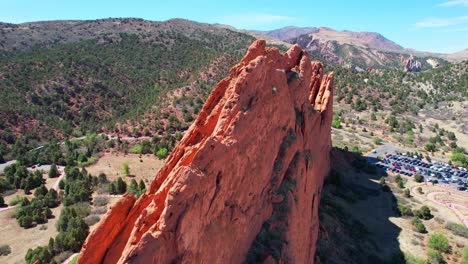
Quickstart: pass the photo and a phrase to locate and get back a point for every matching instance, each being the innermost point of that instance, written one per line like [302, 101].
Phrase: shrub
[100, 201]
[434, 257]
[405, 210]
[410, 259]
[2, 201]
[430, 147]
[16, 200]
[53, 172]
[102, 178]
[459, 230]
[439, 242]
[424, 213]
[92, 219]
[111, 188]
[336, 124]
[418, 177]
[120, 186]
[60, 258]
[5, 250]
[25, 221]
[418, 225]
[420, 190]
[99, 210]
[400, 184]
[126, 169]
[161, 153]
[465, 255]
[61, 184]
[406, 192]
[382, 181]
[377, 140]
[40, 254]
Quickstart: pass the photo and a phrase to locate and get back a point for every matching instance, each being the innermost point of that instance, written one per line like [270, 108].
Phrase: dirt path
[6, 208]
[455, 207]
[62, 174]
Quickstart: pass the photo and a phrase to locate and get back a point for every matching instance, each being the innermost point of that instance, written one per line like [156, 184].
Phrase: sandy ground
[112, 165]
[20, 239]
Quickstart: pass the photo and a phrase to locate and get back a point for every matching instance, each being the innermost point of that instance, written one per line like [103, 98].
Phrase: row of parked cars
[432, 172]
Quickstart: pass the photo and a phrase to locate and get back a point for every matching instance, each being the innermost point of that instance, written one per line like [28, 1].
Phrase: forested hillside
[90, 85]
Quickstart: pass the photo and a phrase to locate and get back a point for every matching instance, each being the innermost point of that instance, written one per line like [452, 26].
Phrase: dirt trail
[455, 207]
[6, 208]
[60, 169]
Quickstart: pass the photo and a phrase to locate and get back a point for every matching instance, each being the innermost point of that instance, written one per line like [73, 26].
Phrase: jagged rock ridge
[411, 64]
[244, 183]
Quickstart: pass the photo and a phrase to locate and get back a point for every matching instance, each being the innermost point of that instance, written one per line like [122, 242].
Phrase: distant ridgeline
[65, 78]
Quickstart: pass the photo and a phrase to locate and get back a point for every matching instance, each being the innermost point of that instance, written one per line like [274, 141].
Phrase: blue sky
[427, 25]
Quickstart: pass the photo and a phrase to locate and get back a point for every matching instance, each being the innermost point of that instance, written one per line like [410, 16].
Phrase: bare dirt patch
[111, 164]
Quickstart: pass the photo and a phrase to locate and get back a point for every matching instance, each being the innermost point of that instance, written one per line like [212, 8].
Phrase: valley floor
[143, 167]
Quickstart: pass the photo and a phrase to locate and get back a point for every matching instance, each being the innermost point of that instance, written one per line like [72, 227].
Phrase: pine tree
[53, 172]
[121, 186]
[111, 188]
[142, 186]
[133, 188]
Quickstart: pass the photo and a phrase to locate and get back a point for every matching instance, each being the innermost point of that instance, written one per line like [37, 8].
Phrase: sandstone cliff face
[244, 183]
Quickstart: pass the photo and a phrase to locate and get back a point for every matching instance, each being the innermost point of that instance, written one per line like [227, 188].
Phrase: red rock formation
[411, 64]
[244, 183]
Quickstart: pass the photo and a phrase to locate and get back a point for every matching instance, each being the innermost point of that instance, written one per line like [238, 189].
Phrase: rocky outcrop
[244, 183]
[411, 64]
[433, 62]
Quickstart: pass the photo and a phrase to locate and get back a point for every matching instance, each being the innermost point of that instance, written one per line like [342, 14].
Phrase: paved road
[3, 165]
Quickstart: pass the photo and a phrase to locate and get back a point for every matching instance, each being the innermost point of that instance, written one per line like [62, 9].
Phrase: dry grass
[20, 239]
[112, 165]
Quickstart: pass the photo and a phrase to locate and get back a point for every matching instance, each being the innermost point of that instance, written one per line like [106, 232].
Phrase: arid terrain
[162, 132]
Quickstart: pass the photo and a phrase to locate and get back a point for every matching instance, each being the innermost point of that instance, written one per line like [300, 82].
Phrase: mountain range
[130, 75]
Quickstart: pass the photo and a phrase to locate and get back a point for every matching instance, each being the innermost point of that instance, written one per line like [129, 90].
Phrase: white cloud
[246, 20]
[455, 3]
[456, 29]
[442, 22]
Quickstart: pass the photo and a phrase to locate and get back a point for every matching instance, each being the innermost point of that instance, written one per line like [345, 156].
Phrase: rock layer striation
[244, 183]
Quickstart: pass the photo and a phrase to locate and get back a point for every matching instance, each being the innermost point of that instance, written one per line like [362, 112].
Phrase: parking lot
[436, 172]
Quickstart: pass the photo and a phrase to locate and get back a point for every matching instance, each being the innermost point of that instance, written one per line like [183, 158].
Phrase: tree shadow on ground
[355, 212]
